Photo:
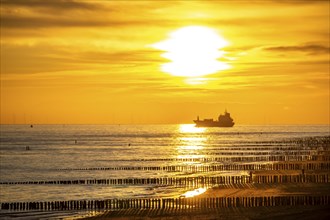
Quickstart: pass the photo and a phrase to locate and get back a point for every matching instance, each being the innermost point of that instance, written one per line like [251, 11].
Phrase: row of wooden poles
[308, 141]
[170, 203]
[270, 158]
[265, 153]
[320, 140]
[219, 167]
[269, 153]
[265, 148]
[192, 181]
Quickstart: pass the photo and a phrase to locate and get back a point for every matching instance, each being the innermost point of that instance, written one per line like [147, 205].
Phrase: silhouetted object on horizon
[27, 148]
[223, 121]
[75, 141]
[31, 126]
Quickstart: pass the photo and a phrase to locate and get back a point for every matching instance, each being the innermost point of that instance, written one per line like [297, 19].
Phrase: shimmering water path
[102, 152]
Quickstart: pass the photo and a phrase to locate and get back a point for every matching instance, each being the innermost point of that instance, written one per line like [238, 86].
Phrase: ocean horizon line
[116, 124]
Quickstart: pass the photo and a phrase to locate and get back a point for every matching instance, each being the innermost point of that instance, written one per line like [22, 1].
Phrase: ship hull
[213, 124]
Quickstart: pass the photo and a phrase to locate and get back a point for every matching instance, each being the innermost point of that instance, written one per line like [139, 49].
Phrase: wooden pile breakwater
[171, 203]
[191, 181]
[218, 167]
[249, 158]
[305, 155]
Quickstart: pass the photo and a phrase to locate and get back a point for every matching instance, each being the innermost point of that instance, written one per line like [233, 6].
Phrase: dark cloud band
[313, 48]
[50, 4]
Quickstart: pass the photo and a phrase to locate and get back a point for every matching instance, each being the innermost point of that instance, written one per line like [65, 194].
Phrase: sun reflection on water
[192, 147]
[191, 142]
[190, 128]
[195, 192]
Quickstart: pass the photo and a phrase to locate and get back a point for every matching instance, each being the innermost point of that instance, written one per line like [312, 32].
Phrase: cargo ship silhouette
[223, 121]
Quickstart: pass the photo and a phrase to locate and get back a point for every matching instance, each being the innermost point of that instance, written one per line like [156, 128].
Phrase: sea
[89, 152]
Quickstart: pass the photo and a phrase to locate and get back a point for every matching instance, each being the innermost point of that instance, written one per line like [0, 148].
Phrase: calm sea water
[58, 152]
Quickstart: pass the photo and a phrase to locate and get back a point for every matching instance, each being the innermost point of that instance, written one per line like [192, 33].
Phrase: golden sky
[95, 62]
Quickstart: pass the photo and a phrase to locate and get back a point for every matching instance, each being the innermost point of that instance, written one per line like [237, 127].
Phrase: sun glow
[194, 51]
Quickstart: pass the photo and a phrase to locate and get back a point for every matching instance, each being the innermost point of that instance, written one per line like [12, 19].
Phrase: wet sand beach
[262, 213]
[249, 190]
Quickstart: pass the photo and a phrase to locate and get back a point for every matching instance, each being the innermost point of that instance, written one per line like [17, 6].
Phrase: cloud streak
[28, 14]
[311, 49]
[24, 22]
[51, 5]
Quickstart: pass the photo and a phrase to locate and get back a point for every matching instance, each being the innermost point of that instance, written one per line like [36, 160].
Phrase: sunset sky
[105, 62]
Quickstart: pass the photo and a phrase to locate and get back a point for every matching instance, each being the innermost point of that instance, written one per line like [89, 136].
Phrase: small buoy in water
[75, 141]
[129, 144]
[31, 126]
[27, 148]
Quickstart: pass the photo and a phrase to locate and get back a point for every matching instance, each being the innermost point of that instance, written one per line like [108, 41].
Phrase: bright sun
[193, 51]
